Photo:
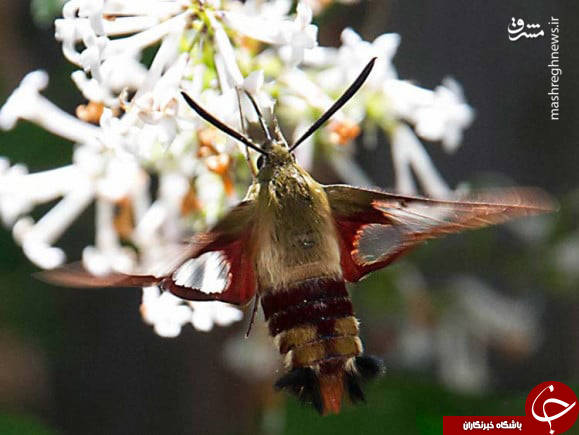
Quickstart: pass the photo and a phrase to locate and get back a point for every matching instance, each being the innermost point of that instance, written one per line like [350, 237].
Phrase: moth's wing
[375, 228]
[75, 275]
[166, 259]
[214, 266]
[222, 268]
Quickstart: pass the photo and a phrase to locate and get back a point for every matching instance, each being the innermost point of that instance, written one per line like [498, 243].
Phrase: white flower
[409, 154]
[206, 314]
[27, 103]
[113, 63]
[141, 130]
[441, 115]
[341, 66]
[481, 317]
[355, 52]
[298, 36]
[318, 6]
[11, 205]
[36, 238]
[164, 311]
[294, 37]
[566, 257]
[117, 73]
[168, 314]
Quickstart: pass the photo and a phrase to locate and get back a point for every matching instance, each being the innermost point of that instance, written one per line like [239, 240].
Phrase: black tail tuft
[354, 390]
[369, 367]
[303, 383]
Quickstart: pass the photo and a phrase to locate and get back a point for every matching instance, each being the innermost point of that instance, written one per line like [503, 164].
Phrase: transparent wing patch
[376, 228]
[209, 273]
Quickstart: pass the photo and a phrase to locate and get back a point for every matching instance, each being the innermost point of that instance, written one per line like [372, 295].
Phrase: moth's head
[274, 150]
[278, 158]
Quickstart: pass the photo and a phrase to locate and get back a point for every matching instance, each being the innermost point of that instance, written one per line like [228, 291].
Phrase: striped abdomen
[313, 325]
[312, 322]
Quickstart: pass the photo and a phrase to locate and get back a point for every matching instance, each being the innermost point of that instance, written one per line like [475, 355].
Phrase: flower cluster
[135, 131]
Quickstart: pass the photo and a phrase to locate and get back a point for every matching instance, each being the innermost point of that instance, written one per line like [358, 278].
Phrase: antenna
[259, 116]
[338, 104]
[220, 125]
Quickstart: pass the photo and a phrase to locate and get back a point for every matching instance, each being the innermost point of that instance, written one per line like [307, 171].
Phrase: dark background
[73, 362]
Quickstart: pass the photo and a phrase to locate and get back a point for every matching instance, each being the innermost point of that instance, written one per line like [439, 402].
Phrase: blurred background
[467, 325]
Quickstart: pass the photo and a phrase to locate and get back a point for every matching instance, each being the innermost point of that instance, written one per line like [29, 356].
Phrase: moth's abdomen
[313, 325]
[312, 322]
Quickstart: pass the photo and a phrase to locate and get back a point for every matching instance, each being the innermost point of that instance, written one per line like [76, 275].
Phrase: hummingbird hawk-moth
[292, 245]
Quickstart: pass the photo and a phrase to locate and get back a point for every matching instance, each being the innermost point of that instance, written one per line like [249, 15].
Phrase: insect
[292, 245]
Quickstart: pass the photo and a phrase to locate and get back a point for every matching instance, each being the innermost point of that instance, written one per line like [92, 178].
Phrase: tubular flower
[134, 128]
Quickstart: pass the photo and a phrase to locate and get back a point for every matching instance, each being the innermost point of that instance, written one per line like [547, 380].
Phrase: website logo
[553, 407]
[550, 409]
[517, 29]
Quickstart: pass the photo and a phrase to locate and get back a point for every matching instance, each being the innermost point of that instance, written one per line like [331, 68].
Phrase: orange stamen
[219, 164]
[190, 203]
[343, 131]
[90, 112]
[123, 220]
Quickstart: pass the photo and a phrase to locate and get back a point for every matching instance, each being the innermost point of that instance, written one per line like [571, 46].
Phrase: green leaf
[45, 11]
[23, 425]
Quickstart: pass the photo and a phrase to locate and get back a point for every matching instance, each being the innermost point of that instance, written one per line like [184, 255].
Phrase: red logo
[551, 407]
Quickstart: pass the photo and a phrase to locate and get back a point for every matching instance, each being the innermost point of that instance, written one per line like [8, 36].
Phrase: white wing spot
[208, 273]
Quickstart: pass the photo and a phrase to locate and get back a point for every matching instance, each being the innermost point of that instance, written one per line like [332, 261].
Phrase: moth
[292, 245]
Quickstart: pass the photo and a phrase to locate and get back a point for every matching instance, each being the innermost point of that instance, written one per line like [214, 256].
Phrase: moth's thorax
[295, 231]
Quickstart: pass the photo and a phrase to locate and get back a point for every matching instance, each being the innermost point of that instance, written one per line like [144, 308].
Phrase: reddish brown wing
[222, 270]
[215, 266]
[74, 275]
[376, 228]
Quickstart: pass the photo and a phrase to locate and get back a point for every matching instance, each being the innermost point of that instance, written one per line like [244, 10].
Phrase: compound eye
[260, 161]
